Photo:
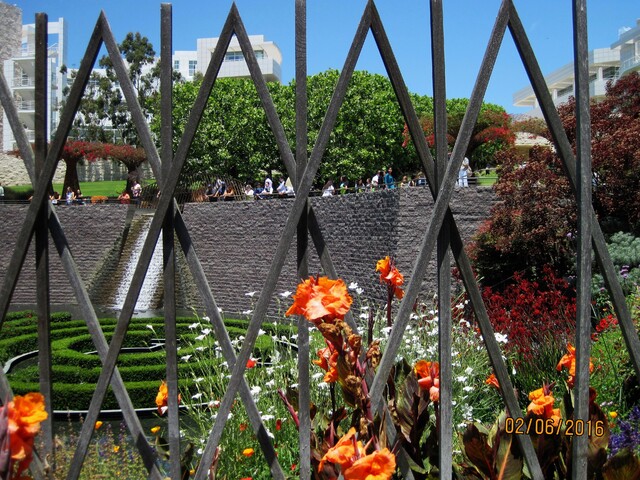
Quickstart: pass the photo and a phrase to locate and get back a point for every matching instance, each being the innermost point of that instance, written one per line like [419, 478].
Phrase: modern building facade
[605, 65]
[629, 45]
[19, 71]
[10, 33]
[191, 63]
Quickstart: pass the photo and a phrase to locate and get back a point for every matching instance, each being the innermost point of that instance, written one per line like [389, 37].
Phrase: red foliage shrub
[532, 313]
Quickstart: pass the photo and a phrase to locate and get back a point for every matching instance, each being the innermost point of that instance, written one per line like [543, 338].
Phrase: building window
[610, 72]
[259, 54]
[565, 91]
[176, 64]
[233, 57]
[192, 67]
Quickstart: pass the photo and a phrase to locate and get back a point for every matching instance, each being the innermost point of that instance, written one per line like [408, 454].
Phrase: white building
[629, 45]
[604, 65]
[19, 71]
[269, 57]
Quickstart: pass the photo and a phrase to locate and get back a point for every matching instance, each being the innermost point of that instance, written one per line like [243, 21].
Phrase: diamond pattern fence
[440, 235]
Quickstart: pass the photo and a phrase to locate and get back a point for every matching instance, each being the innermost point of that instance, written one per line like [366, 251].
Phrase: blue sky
[331, 25]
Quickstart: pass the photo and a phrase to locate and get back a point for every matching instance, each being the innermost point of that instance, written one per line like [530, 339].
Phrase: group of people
[220, 191]
[136, 194]
[70, 197]
[265, 191]
[379, 181]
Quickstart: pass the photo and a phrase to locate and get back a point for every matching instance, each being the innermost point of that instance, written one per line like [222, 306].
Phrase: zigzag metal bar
[41, 237]
[40, 189]
[281, 250]
[168, 247]
[139, 120]
[141, 267]
[584, 177]
[301, 108]
[11, 111]
[152, 238]
[445, 420]
[222, 335]
[569, 162]
[491, 344]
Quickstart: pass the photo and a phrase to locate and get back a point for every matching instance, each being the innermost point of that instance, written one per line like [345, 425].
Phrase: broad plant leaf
[623, 466]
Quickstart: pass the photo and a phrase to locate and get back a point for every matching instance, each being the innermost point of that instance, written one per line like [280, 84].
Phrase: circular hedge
[76, 365]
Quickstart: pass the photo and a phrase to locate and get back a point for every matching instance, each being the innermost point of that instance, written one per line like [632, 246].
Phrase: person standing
[136, 192]
[389, 181]
[463, 174]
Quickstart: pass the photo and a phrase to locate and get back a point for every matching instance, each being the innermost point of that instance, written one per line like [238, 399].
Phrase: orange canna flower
[251, 363]
[24, 415]
[162, 398]
[243, 427]
[568, 361]
[98, 425]
[542, 405]
[345, 452]
[248, 452]
[428, 374]
[328, 361]
[321, 297]
[380, 465]
[390, 275]
[493, 381]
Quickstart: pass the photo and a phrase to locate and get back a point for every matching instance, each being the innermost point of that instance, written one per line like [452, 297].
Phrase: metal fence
[441, 234]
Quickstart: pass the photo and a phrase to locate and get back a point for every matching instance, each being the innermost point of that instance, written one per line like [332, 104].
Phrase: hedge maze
[76, 365]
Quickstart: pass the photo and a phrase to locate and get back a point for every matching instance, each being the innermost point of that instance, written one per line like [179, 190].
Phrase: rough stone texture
[91, 231]
[10, 38]
[236, 241]
[13, 172]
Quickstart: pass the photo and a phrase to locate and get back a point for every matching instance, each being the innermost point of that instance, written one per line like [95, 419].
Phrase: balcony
[24, 82]
[632, 63]
[25, 105]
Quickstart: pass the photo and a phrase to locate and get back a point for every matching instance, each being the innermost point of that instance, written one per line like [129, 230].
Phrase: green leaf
[623, 466]
[477, 450]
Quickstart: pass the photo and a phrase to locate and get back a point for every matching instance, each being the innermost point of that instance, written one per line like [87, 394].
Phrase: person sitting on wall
[136, 192]
[210, 193]
[282, 188]
[248, 190]
[124, 198]
[229, 193]
[79, 198]
[69, 196]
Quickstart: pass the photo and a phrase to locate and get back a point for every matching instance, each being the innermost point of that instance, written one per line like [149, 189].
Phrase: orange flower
[328, 361]
[321, 297]
[248, 452]
[343, 453]
[428, 374]
[24, 415]
[243, 427]
[542, 404]
[278, 425]
[568, 361]
[251, 363]
[155, 429]
[98, 425]
[380, 465]
[390, 275]
[493, 381]
[162, 398]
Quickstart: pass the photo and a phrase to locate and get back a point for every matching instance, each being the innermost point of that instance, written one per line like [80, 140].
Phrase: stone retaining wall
[236, 241]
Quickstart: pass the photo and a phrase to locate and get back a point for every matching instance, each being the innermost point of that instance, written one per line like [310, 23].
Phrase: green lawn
[89, 189]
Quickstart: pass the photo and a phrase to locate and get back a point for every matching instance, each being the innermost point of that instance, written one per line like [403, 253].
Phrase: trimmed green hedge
[76, 370]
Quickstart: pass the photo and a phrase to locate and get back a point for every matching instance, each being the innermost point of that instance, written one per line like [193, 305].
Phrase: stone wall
[236, 241]
[13, 171]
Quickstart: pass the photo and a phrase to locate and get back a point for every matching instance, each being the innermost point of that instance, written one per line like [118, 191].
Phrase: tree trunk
[71, 176]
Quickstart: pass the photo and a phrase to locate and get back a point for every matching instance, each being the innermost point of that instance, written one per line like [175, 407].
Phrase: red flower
[390, 275]
[493, 381]
[278, 425]
[251, 363]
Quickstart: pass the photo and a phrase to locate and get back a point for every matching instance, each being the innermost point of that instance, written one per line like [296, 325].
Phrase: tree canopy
[235, 139]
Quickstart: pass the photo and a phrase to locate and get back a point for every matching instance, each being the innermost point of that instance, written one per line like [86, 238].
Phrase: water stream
[147, 298]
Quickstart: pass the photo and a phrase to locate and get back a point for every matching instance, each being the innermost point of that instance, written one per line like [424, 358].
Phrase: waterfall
[129, 260]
